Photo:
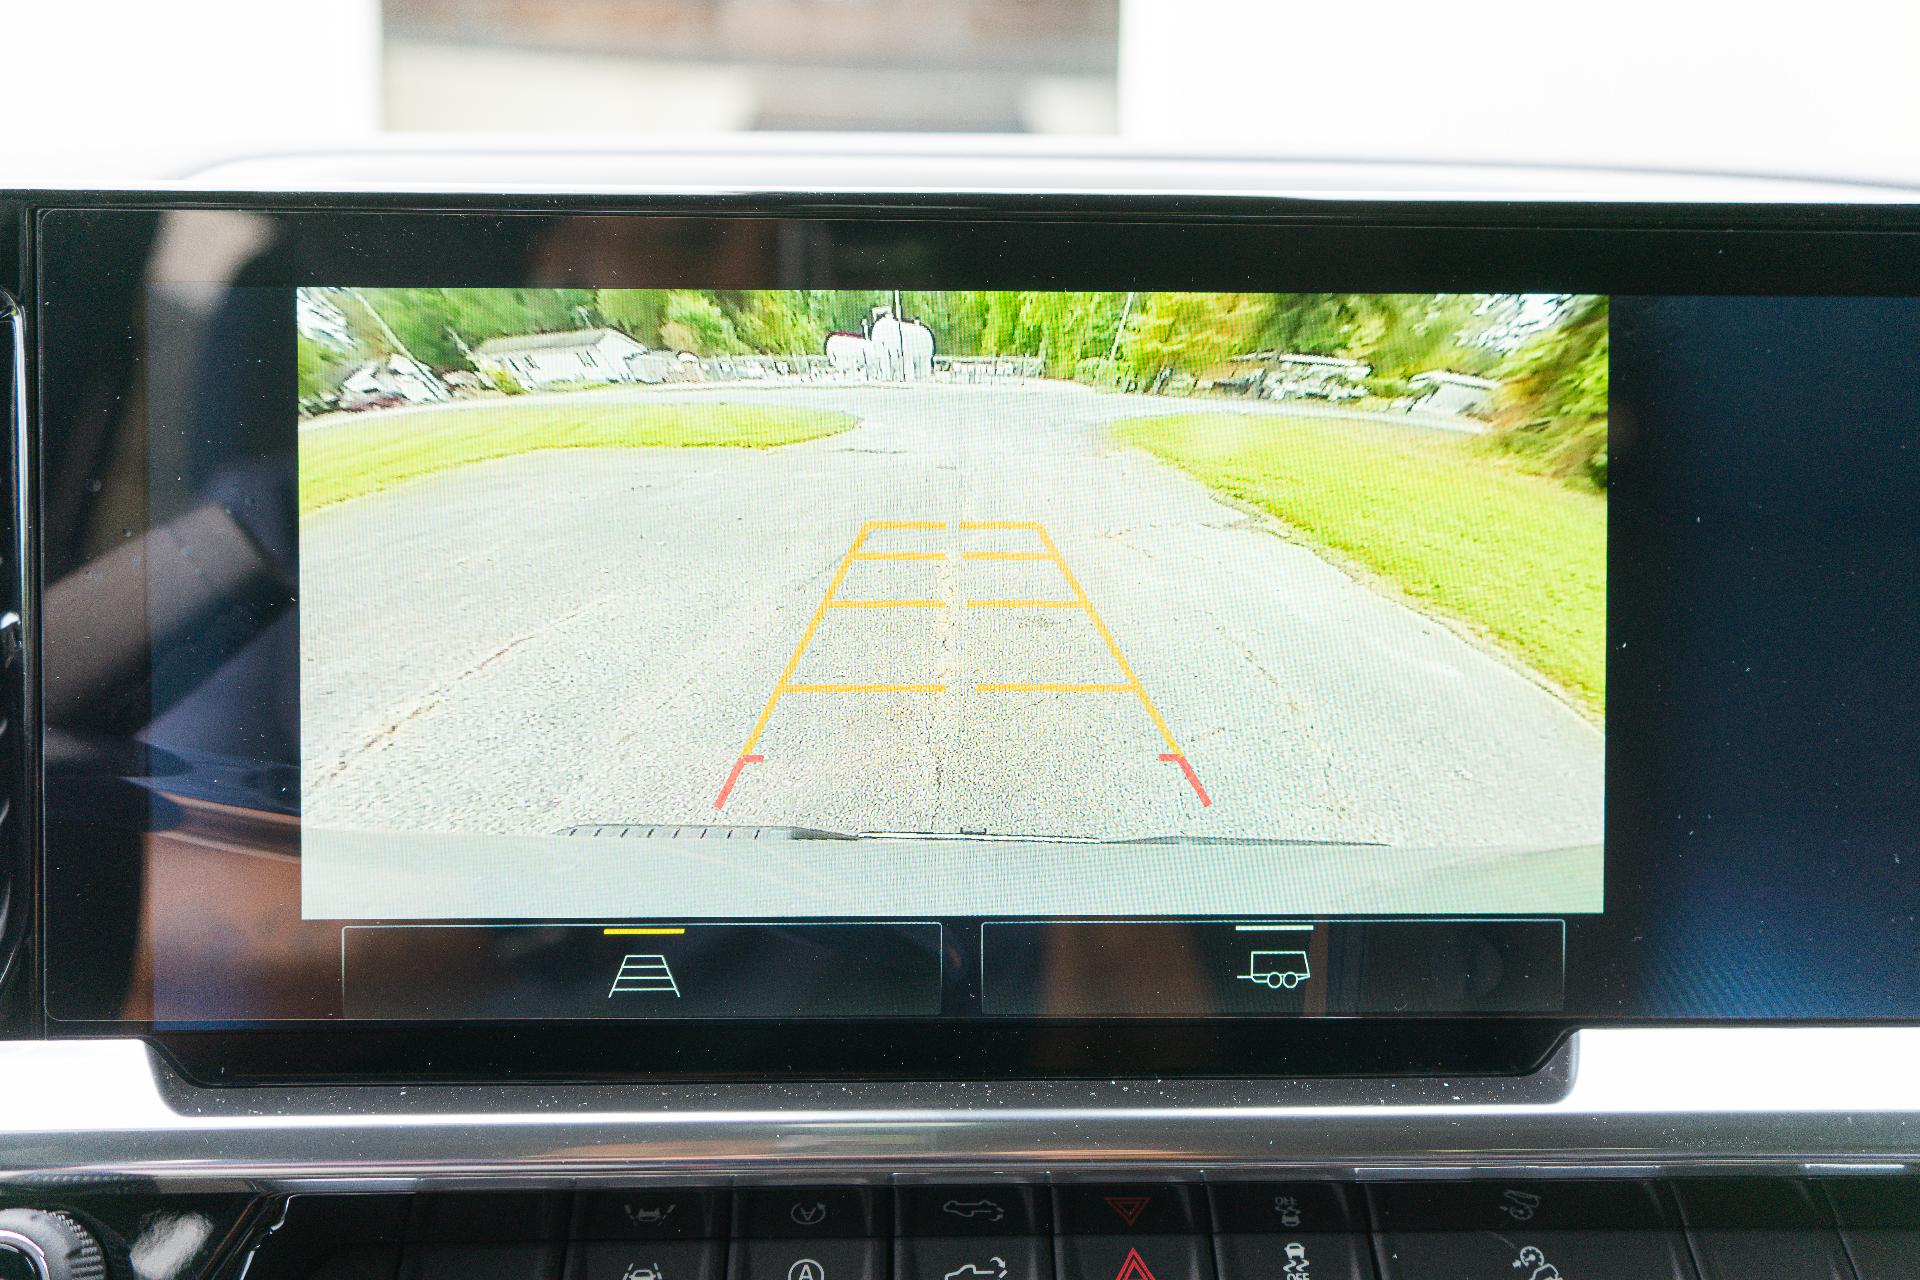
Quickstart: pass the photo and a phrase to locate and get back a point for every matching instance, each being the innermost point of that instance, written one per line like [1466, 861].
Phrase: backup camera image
[765, 602]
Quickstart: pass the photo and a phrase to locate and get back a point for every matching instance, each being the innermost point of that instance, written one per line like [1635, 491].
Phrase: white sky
[129, 90]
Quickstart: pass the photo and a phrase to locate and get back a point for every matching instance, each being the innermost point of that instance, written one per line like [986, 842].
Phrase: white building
[1460, 394]
[389, 377]
[1288, 375]
[537, 360]
[654, 367]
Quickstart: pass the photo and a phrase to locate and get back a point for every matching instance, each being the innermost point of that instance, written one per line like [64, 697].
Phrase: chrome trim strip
[20, 421]
[22, 442]
[1620, 1101]
[29, 1249]
[810, 163]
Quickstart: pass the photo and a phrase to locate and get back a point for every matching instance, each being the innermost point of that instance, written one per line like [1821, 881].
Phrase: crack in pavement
[432, 698]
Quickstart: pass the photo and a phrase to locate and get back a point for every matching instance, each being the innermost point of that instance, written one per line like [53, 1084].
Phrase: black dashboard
[589, 734]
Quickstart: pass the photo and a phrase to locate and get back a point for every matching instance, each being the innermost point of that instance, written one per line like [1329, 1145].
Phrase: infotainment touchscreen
[1098, 583]
[1103, 645]
[675, 604]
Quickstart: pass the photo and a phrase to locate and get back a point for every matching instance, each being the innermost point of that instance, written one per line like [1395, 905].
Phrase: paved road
[593, 636]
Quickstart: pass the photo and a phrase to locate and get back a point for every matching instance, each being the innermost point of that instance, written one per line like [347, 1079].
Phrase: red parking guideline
[1186, 767]
[733, 776]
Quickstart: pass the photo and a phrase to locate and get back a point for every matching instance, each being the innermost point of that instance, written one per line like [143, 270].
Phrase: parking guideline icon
[643, 975]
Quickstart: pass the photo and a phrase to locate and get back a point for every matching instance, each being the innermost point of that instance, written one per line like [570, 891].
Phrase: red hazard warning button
[1156, 1258]
[1127, 1210]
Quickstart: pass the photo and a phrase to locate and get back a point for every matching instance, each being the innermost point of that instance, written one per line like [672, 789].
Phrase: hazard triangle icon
[1134, 1268]
[1129, 1208]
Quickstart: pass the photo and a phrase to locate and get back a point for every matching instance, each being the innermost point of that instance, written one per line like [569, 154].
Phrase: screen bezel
[93, 263]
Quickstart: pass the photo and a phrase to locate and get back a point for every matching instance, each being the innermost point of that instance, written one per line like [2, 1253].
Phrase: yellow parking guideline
[1052, 688]
[1113, 646]
[886, 604]
[864, 688]
[832, 600]
[784, 684]
[806, 637]
[1025, 604]
[641, 933]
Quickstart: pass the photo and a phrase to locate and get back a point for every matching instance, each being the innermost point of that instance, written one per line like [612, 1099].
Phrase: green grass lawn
[1520, 558]
[353, 457]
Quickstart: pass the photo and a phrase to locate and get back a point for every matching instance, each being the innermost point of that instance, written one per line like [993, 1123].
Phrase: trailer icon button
[1277, 969]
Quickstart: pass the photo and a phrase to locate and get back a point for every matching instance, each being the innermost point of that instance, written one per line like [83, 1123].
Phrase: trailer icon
[1277, 969]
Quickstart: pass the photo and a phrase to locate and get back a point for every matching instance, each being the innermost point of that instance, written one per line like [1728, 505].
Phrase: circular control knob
[44, 1244]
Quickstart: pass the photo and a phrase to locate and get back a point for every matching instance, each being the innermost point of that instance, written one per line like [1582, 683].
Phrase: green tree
[1309, 324]
[1000, 324]
[422, 321]
[1553, 403]
[320, 369]
[635, 312]
[1413, 333]
[839, 310]
[368, 337]
[957, 317]
[479, 314]
[438, 326]
[776, 322]
[1068, 328]
[693, 321]
[1187, 332]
